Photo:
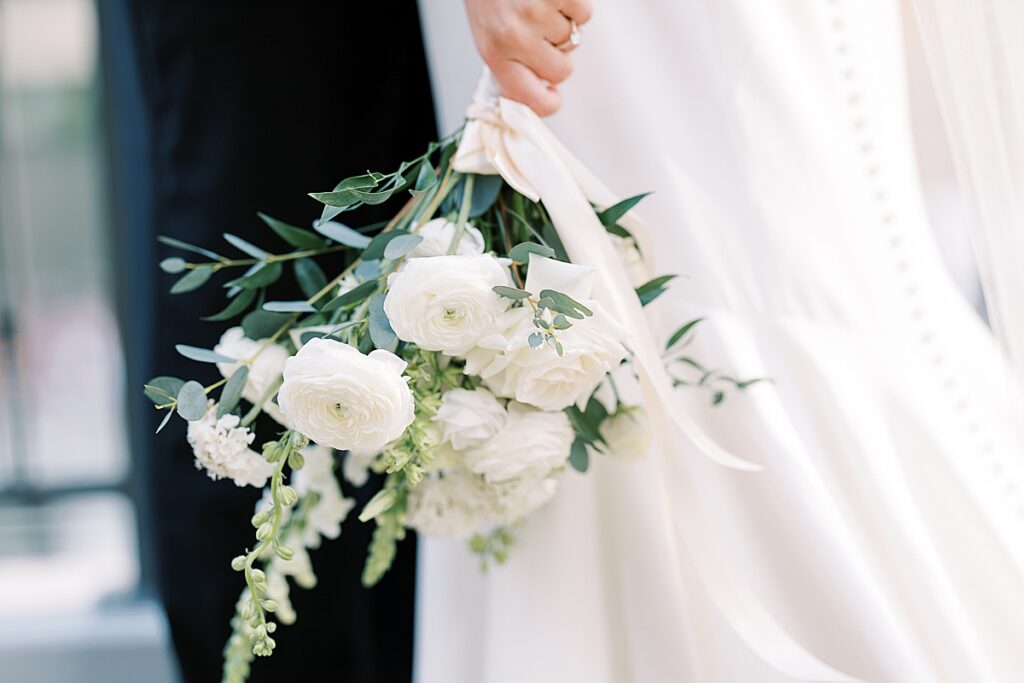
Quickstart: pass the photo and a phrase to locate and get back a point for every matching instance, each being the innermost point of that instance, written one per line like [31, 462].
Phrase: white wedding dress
[885, 534]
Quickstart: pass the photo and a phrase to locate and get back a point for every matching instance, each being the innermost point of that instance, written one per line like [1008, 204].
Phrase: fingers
[577, 10]
[556, 27]
[518, 82]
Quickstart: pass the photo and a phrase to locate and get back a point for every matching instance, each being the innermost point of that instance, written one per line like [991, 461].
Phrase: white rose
[627, 434]
[264, 370]
[221, 447]
[468, 418]
[456, 504]
[437, 239]
[340, 398]
[532, 443]
[592, 347]
[445, 303]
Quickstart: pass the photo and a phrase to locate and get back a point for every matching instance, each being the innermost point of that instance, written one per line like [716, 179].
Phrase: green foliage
[342, 234]
[521, 252]
[511, 293]
[579, 458]
[353, 296]
[231, 394]
[612, 214]
[202, 355]
[296, 237]
[243, 245]
[310, 276]
[678, 335]
[238, 304]
[261, 275]
[289, 307]
[163, 390]
[380, 328]
[649, 291]
[401, 245]
[191, 401]
[262, 324]
[192, 280]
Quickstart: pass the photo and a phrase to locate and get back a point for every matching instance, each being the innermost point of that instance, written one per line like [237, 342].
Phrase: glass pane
[60, 364]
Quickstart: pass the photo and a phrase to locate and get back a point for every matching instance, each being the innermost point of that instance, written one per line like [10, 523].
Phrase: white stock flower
[454, 505]
[331, 509]
[222, 448]
[356, 466]
[592, 347]
[264, 369]
[532, 443]
[340, 398]
[279, 592]
[437, 239]
[445, 303]
[516, 499]
[469, 417]
[627, 434]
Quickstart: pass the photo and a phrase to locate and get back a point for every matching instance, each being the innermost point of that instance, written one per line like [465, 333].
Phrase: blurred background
[74, 580]
[76, 577]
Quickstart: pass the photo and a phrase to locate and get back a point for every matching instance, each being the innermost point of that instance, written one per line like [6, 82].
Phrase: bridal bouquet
[456, 351]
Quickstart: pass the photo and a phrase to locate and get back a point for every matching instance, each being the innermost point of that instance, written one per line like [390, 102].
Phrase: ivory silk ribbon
[507, 138]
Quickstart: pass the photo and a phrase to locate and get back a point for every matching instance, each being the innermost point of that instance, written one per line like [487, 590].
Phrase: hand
[517, 40]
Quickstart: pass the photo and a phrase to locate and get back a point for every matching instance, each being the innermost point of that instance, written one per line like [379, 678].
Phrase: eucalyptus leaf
[586, 429]
[264, 275]
[380, 327]
[173, 265]
[563, 303]
[191, 401]
[243, 245]
[163, 422]
[521, 252]
[239, 303]
[579, 458]
[310, 276]
[341, 198]
[373, 198]
[297, 237]
[612, 214]
[426, 178]
[401, 245]
[486, 189]
[359, 182]
[375, 249]
[192, 280]
[162, 390]
[231, 394]
[289, 307]
[172, 242]
[342, 234]
[553, 240]
[511, 292]
[262, 324]
[202, 355]
[354, 295]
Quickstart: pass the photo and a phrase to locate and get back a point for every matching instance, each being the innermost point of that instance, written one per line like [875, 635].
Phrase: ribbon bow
[507, 138]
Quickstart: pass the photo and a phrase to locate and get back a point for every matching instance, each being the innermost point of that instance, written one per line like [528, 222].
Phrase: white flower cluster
[221, 447]
[321, 520]
[506, 458]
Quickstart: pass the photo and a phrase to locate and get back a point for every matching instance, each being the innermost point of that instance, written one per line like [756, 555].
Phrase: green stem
[467, 202]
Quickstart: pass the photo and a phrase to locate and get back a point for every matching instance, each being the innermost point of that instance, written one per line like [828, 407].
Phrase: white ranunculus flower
[343, 399]
[264, 370]
[222, 448]
[456, 504]
[517, 499]
[532, 443]
[592, 347]
[445, 303]
[437, 239]
[469, 417]
[627, 434]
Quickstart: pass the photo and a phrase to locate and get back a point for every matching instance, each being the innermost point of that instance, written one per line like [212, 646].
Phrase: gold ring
[573, 41]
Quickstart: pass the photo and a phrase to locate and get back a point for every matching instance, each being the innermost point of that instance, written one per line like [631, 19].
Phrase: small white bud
[238, 563]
